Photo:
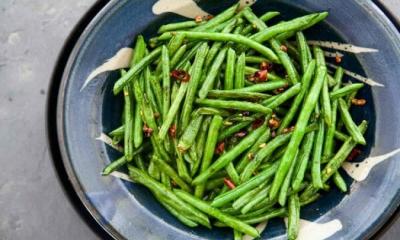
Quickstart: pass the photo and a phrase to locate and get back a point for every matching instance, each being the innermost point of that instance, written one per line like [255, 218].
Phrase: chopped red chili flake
[209, 17]
[180, 75]
[220, 148]
[338, 59]
[266, 66]
[353, 154]
[172, 131]
[198, 19]
[358, 102]
[284, 48]
[260, 76]
[241, 134]
[147, 131]
[257, 123]
[229, 183]
[279, 90]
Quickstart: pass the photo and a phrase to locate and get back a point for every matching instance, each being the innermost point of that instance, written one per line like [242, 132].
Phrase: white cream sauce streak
[186, 8]
[342, 46]
[317, 231]
[121, 175]
[107, 140]
[359, 170]
[360, 78]
[121, 59]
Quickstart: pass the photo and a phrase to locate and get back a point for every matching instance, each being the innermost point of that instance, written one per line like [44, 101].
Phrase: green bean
[243, 188]
[196, 160]
[202, 136]
[316, 157]
[153, 170]
[135, 70]
[178, 26]
[189, 135]
[310, 199]
[287, 63]
[306, 82]
[341, 92]
[283, 194]
[302, 162]
[262, 154]
[349, 124]
[263, 194]
[118, 131]
[293, 217]
[176, 213]
[168, 170]
[188, 55]
[212, 111]
[227, 219]
[239, 73]
[178, 55]
[237, 105]
[138, 122]
[168, 196]
[330, 134]
[181, 166]
[139, 162]
[292, 25]
[245, 198]
[217, 20]
[209, 149]
[326, 104]
[321, 16]
[235, 94]
[253, 19]
[166, 86]
[165, 180]
[339, 182]
[249, 155]
[230, 69]
[228, 37]
[341, 136]
[149, 91]
[283, 97]
[232, 130]
[263, 87]
[269, 15]
[319, 56]
[212, 74]
[280, 212]
[237, 235]
[255, 59]
[228, 157]
[298, 132]
[193, 85]
[293, 52]
[211, 185]
[303, 48]
[129, 119]
[232, 173]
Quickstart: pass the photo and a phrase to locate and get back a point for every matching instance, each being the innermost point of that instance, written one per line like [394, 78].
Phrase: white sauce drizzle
[359, 171]
[186, 8]
[354, 75]
[120, 60]
[107, 140]
[121, 175]
[317, 231]
[342, 46]
[260, 228]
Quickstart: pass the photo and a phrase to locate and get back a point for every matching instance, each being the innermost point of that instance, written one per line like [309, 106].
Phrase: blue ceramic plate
[129, 211]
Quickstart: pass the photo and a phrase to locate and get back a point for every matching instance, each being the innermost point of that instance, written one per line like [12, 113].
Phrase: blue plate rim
[54, 119]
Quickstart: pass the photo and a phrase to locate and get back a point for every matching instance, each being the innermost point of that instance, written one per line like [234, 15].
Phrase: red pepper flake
[266, 66]
[220, 148]
[172, 131]
[353, 154]
[257, 123]
[338, 59]
[180, 75]
[209, 17]
[147, 131]
[358, 102]
[198, 19]
[260, 76]
[241, 134]
[229, 183]
[283, 48]
[279, 90]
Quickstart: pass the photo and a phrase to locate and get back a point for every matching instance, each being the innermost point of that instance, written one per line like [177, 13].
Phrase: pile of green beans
[228, 123]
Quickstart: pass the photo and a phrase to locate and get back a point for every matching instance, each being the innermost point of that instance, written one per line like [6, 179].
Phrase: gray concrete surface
[32, 203]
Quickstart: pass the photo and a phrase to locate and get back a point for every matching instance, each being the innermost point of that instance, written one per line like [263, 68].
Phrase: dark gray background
[32, 202]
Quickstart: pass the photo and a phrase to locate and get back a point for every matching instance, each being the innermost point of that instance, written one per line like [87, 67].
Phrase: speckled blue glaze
[129, 211]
